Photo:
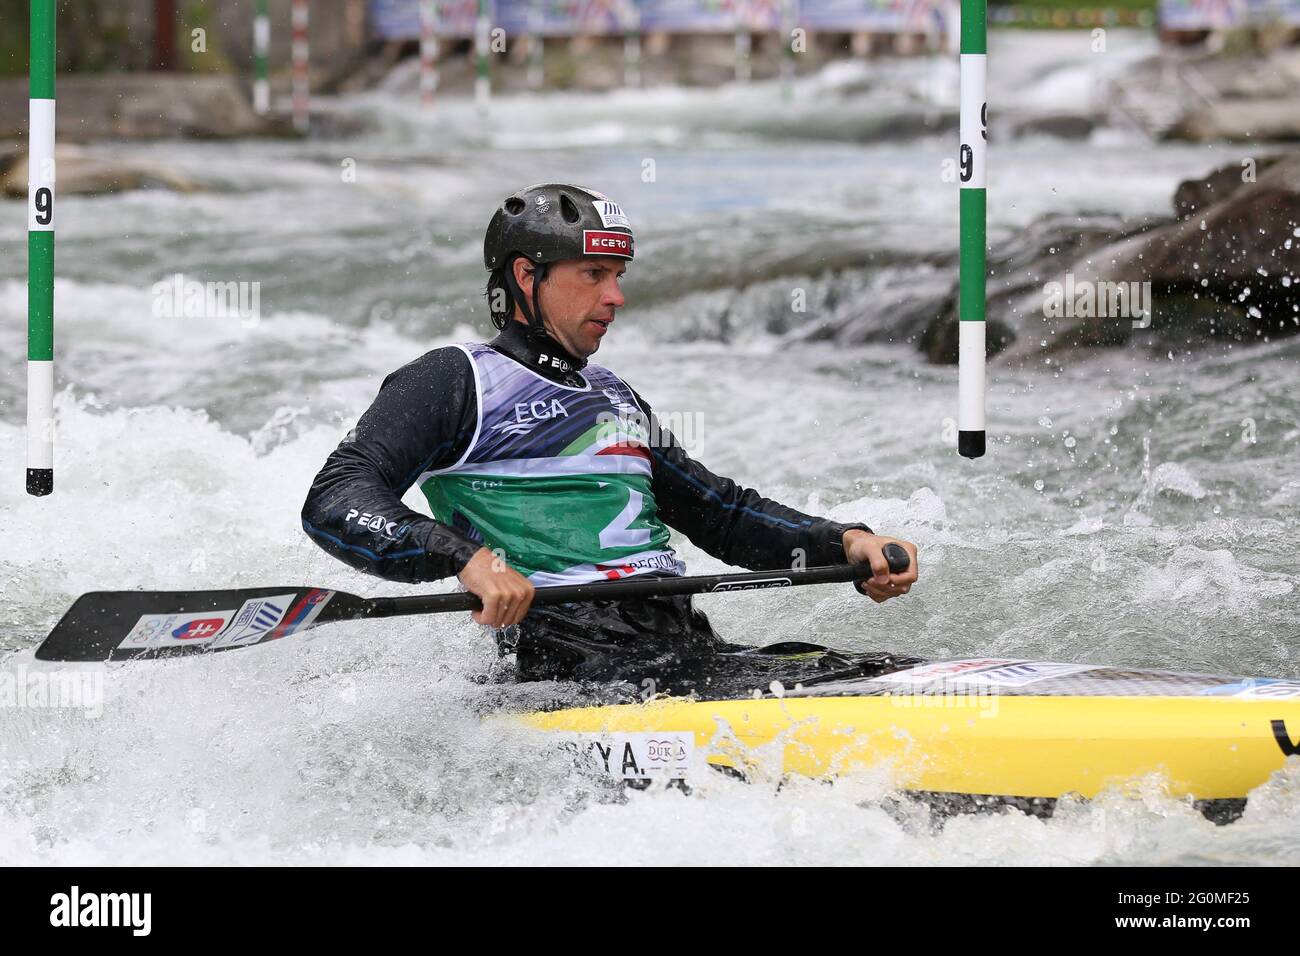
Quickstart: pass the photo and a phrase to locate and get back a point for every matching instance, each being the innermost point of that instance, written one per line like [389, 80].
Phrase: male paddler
[542, 469]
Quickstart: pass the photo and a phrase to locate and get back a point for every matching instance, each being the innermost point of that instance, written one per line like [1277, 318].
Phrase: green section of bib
[552, 523]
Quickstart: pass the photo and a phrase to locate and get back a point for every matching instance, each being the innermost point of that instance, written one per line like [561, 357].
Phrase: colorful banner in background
[874, 16]
[1227, 14]
[566, 17]
[400, 19]
[716, 16]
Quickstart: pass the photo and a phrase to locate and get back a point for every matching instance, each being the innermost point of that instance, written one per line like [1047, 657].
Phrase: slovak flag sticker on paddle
[197, 630]
[172, 630]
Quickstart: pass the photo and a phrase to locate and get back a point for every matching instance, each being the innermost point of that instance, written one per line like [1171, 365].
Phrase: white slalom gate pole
[630, 16]
[301, 81]
[744, 42]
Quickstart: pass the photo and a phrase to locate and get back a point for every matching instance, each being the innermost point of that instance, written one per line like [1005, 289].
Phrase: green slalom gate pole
[40, 252]
[973, 264]
[482, 80]
[261, 51]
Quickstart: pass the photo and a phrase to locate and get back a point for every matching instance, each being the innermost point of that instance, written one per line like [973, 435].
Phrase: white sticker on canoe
[924, 673]
[192, 629]
[640, 756]
[1019, 674]
[611, 214]
[1272, 690]
[255, 620]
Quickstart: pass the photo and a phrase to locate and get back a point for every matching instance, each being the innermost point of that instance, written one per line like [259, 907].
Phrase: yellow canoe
[985, 727]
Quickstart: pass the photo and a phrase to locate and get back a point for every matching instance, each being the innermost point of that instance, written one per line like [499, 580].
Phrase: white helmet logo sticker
[611, 214]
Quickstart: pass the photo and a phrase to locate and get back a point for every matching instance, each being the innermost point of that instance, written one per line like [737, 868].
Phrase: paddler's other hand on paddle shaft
[863, 548]
[506, 594]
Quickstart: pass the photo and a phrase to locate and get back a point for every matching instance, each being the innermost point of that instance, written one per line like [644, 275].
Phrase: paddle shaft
[643, 587]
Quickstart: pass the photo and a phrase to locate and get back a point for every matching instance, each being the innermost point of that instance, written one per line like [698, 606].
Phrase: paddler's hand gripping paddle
[126, 625]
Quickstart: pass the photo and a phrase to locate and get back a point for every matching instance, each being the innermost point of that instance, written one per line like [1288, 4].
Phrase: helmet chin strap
[536, 328]
[533, 315]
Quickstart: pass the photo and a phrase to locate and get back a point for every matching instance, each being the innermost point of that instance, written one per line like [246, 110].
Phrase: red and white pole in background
[301, 101]
[428, 51]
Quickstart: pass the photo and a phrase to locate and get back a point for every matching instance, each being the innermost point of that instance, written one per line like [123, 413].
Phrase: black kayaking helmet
[546, 223]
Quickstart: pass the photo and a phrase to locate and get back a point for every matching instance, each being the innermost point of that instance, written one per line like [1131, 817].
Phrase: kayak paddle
[127, 625]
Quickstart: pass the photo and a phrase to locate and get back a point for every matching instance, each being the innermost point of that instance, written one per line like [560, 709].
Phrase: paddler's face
[578, 299]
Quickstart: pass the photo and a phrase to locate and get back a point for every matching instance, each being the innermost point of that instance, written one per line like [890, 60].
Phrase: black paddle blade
[126, 625]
